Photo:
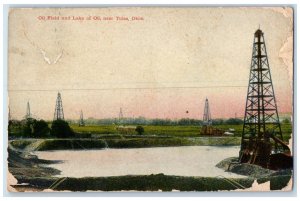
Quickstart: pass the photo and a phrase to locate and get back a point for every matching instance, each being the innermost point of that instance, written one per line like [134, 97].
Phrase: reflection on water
[181, 161]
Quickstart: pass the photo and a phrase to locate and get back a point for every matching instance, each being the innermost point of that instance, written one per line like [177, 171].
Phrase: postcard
[150, 99]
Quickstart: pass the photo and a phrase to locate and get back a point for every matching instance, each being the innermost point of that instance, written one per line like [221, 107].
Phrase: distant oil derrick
[120, 116]
[262, 143]
[81, 121]
[207, 128]
[28, 113]
[206, 115]
[59, 112]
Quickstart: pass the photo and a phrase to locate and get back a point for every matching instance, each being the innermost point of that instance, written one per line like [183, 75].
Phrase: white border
[105, 3]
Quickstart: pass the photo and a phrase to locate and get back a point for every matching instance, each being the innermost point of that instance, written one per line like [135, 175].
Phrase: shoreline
[128, 142]
[28, 168]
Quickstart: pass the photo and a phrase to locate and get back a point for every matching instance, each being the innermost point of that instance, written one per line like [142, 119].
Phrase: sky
[158, 67]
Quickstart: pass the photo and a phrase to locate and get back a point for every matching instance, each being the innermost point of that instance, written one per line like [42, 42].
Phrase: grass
[286, 131]
[154, 136]
[62, 144]
[174, 131]
[178, 131]
[95, 129]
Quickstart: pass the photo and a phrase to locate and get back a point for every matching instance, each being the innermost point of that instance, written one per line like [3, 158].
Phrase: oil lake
[179, 161]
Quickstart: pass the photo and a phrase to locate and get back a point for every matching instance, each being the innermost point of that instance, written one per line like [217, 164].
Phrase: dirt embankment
[143, 183]
[278, 179]
[22, 165]
[127, 142]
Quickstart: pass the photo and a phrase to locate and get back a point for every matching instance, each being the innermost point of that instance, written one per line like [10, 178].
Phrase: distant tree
[286, 121]
[61, 129]
[15, 128]
[40, 129]
[234, 121]
[184, 121]
[27, 130]
[218, 121]
[157, 122]
[139, 130]
[27, 127]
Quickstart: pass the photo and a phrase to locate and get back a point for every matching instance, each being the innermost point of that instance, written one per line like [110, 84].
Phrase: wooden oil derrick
[262, 143]
[81, 121]
[58, 112]
[206, 115]
[28, 113]
[120, 117]
[207, 128]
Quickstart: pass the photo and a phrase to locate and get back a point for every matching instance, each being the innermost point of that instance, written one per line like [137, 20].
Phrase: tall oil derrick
[59, 112]
[120, 116]
[28, 113]
[206, 115]
[81, 122]
[262, 136]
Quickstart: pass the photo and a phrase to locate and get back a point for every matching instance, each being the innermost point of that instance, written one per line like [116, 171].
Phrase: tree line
[156, 121]
[33, 128]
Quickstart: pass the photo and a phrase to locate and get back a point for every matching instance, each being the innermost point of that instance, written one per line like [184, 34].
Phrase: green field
[175, 131]
[178, 131]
